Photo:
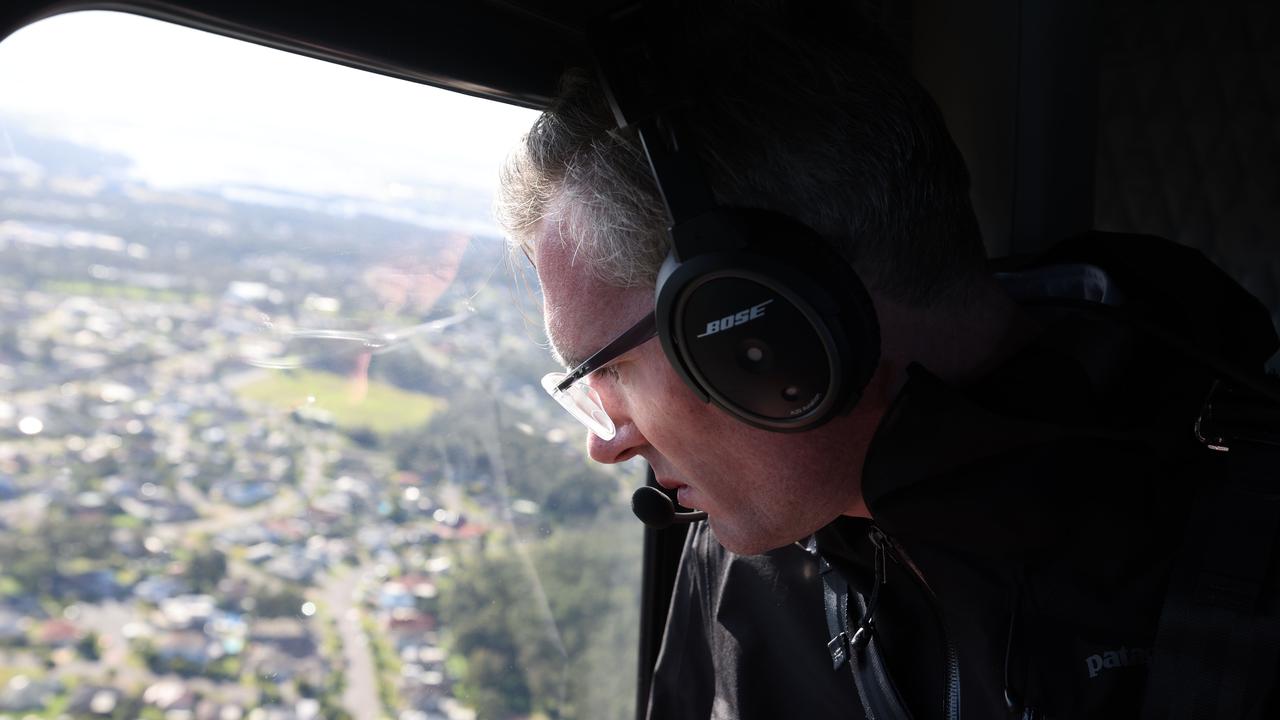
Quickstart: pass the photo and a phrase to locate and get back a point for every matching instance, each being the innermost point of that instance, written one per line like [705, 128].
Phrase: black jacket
[745, 640]
[1032, 517]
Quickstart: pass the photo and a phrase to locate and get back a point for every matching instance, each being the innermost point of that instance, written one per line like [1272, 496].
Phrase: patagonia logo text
[1124, 657]
[738, 318]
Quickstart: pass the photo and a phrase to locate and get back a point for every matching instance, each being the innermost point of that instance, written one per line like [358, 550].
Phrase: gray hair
[791, 110]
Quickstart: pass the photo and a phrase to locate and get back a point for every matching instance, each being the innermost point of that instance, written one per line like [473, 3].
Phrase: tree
[278, 603]
[205, 570]
[542, 634]
[87, 646]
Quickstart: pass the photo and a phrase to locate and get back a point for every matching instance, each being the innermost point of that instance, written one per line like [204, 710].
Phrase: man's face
[760, 489]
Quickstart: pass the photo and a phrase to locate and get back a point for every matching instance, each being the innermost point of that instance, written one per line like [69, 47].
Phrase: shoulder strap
[860, 648]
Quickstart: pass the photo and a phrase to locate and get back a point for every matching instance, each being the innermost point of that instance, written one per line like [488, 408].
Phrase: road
[337, 591]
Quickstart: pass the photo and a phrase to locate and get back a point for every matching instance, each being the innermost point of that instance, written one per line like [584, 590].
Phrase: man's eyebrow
[566, 363]
[559, 357]
[570, 360]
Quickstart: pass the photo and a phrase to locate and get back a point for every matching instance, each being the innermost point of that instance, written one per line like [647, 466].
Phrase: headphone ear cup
[781, 333]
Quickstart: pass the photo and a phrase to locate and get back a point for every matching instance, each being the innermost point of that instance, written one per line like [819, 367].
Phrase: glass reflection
[277, 450]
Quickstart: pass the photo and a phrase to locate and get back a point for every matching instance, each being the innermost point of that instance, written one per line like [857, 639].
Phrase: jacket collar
[1049, 391]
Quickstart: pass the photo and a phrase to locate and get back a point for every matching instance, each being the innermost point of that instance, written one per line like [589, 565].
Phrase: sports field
[352, 403]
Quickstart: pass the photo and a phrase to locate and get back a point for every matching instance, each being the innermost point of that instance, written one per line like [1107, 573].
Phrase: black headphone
[754, 310]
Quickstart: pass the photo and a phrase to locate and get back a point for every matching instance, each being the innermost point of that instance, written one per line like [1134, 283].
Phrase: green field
[115, 290]
[381, 408]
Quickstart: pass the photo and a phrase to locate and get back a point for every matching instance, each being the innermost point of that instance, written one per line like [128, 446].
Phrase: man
[579, 199]
[1007, 495]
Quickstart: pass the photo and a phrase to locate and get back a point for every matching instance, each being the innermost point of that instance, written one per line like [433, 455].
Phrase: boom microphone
[657, 511]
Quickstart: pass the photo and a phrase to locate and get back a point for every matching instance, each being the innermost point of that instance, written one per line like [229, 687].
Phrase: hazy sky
[194, 108]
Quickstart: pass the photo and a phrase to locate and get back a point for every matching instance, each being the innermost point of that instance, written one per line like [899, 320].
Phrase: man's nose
[626, 444]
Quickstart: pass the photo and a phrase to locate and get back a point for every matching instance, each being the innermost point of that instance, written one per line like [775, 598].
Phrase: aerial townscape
[273, 456]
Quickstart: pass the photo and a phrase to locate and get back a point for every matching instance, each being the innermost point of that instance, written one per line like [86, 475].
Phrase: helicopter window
[272, 441]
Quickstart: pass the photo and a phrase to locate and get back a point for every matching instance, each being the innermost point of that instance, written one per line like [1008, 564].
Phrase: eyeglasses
[575, 395]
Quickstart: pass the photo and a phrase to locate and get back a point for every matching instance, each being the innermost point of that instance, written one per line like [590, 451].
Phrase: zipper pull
[862, 635]
[884, 543]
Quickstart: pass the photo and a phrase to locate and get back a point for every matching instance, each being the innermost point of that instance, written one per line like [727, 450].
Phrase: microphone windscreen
[653, 507]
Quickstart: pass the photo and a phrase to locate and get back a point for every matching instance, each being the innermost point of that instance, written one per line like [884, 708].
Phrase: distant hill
[56, 156]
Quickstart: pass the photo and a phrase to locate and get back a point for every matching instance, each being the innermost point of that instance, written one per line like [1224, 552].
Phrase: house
[158, 588]
[293, 565]
[209, 710]
[259, 553]
[92, 586]
[186, 647]
[94, 701]
[187, 611]
[269, 661]
[23, 694]
[58, 633]
[13, 627]
[431, 657]
[272, 712]
[286, 634]
[8, 488]
[172, 697]
[406, 626]
[246, 492]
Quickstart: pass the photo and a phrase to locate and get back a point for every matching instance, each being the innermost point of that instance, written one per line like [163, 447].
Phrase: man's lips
[687, 497]
[670, 484]
[684, 494]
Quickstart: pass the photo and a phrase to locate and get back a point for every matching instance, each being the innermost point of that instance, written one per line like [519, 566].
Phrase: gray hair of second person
[791, 109]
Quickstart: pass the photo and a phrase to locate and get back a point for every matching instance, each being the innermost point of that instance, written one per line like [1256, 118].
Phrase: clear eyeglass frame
[574, 394]
[582, 402]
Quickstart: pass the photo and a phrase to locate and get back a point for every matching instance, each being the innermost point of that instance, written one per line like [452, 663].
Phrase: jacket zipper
[951, 707]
